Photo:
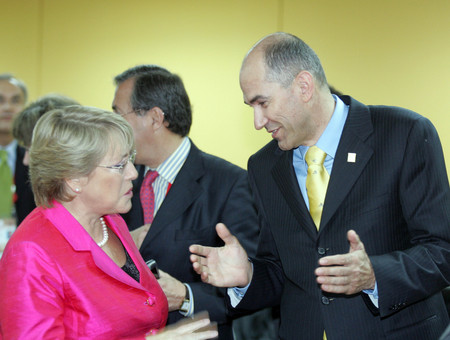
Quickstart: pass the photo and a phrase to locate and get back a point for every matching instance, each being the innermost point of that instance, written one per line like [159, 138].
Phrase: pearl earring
[77, 189]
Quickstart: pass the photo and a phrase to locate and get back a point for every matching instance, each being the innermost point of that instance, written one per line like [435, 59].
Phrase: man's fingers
[225, 234]
[334, 260]
[354, 240]
[332, 271]
[199, 250]
[197, 261]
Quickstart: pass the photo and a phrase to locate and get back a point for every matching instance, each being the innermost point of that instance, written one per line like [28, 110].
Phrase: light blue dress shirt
[328, 142]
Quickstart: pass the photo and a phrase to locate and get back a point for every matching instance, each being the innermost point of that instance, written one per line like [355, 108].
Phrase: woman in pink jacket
[71, 270]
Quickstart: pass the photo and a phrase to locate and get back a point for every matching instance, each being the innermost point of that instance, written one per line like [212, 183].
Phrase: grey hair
[286, 55]
[17, 82]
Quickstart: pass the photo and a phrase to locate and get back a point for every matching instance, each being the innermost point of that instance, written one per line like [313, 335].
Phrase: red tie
[148, 196]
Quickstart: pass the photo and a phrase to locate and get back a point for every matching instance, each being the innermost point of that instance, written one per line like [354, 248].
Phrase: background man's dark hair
[137, 71]
[164, 90]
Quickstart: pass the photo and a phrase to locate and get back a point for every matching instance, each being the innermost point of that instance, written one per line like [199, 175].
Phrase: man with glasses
[189, 191]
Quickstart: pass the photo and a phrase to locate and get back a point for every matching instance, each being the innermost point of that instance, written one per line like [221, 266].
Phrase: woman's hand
[199, 327]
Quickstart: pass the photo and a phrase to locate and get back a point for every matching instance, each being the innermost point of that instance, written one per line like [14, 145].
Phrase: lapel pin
[351, 157]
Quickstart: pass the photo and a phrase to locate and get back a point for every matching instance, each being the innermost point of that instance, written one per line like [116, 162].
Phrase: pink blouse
[56, 283]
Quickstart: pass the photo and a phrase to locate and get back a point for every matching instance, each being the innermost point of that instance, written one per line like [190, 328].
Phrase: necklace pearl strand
[105, 233]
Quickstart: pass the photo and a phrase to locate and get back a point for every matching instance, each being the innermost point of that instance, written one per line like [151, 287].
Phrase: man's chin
[284, 147]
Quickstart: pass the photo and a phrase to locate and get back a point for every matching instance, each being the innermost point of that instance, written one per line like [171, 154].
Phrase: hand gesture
[199, 327]
[348, 273]
[226, 266]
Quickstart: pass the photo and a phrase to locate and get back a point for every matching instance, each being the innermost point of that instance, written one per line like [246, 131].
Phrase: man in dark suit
[24, 199]
[13, 96]
[192, 191]
[369, 258]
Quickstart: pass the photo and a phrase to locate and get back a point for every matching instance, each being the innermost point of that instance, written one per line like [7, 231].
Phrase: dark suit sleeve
[268, 279]
[405, 277]
[239, 215]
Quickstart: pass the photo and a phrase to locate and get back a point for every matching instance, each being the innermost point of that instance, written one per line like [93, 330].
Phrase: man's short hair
[137, 71]
[166, 91]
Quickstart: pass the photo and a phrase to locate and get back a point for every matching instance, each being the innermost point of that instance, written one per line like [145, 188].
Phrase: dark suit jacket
[395, 196]
[207, 190]
[24, 201]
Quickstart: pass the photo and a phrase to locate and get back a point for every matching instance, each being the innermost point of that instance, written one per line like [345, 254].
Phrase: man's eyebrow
[255, 99]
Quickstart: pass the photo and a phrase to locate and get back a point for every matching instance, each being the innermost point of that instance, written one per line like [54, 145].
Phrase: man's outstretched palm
[226, 266]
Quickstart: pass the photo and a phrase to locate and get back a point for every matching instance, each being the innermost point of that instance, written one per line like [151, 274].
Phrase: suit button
[321, 251]
[325, 300]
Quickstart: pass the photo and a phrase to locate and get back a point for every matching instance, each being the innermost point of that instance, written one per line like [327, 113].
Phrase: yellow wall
[394, 52]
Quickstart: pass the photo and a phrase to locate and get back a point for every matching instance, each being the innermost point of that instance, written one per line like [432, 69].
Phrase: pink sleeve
[30, 294]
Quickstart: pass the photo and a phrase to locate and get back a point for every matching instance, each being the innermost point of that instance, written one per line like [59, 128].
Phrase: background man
[16, 197]
[379, 178]
[192, 190]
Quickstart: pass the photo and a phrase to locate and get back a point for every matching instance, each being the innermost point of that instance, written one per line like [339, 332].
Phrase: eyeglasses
[139, 112]
[120, 167]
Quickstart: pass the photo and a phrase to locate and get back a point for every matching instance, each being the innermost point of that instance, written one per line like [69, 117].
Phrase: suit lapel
[345, 173]
[284, 176]
[183, 192]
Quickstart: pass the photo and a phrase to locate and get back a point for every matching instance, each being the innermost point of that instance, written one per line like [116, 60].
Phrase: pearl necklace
[105, 233]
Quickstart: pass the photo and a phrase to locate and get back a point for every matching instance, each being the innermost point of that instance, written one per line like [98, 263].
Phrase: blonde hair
[69, 143]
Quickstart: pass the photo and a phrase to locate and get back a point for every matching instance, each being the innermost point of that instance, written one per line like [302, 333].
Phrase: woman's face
[108, 189]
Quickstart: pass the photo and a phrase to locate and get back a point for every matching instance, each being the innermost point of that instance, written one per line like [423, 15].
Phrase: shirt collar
[11, 150]
[329, 140]
[172, 165]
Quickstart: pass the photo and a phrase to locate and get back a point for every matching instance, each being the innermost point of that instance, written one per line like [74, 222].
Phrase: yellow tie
[316, 182]
[5, 186]
[316, 185]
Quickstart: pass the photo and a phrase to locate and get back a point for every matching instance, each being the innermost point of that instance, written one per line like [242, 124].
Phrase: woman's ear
[76, 185]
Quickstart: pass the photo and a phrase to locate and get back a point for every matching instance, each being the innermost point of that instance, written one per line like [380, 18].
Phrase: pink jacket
[56, 283]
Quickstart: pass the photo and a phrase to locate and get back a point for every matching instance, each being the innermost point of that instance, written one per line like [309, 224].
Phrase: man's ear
[304, 82]
[157, 117]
